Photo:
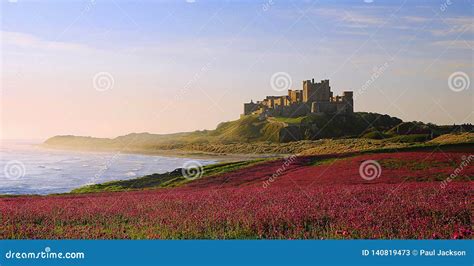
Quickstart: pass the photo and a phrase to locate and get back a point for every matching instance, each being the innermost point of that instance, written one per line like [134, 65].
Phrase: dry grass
[305, 147]
[466, 137]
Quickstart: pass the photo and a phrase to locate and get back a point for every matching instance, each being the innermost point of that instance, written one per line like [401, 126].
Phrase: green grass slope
[246, 129]
[166, 180]
[249, 134]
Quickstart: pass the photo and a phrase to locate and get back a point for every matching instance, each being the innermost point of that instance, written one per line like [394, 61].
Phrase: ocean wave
[45, 175]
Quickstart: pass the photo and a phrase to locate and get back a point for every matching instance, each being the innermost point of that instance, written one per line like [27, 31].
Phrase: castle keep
[315, 97]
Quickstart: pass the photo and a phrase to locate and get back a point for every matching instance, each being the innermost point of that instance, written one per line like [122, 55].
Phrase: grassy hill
[166, 180]
[246, 129]
[250, 134]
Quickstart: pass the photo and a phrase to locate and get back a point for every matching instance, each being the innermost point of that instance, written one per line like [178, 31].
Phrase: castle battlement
[314, 97]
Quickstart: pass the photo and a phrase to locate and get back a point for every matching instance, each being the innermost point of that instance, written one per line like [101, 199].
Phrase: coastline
[222, 157]
[216, 158]
[262, 150]
[159, 159]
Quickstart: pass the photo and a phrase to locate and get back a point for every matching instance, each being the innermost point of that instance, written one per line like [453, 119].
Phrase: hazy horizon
[111, 68]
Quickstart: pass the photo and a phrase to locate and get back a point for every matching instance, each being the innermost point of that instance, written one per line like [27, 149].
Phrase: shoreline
[217, 158]
[221, 157]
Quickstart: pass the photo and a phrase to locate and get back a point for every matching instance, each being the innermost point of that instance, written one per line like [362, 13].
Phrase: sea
[28, 168]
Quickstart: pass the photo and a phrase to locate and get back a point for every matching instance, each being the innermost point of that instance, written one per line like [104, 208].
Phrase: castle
[313, 98]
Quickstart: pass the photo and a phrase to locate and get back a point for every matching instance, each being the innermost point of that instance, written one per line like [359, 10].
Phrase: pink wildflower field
[416, 195]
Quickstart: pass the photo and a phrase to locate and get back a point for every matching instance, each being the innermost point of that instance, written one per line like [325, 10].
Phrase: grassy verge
[289, 120]
[170, 179]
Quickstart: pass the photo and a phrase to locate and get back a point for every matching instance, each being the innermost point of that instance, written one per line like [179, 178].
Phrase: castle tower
[348, 99]
[324, 91]
[316, 92]
[250, 107]
[307, 90]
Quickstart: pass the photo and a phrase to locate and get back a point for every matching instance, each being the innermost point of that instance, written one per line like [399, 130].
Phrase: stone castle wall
[315, 97]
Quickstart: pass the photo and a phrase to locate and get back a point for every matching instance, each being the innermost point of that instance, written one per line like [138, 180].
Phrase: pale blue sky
[179, 66]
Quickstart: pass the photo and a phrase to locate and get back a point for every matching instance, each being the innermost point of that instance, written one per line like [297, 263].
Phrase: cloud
[363, 17]
[456, 44]
[25, 40]
[455, 26]
[350, 18]
[416, 19]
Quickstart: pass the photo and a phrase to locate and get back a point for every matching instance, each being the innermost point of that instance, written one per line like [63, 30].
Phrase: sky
[109, 68]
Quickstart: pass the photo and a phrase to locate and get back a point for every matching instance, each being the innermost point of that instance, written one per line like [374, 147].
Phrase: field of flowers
[414, 195]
